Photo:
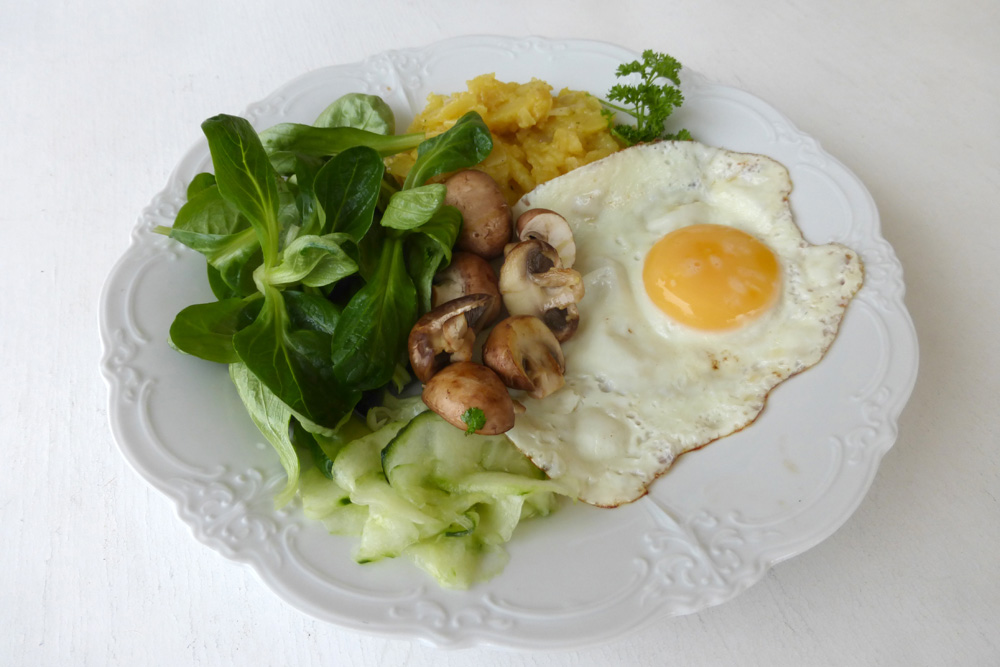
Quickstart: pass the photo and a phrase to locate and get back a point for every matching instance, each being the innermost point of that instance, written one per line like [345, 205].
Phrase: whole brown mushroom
[534, 282]
[468, 274]
[463, 386]
[445, 335]
[548, 226]
[486, 218]
[526, 355]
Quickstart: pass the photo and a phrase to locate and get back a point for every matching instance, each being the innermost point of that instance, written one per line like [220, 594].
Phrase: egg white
[642, 388]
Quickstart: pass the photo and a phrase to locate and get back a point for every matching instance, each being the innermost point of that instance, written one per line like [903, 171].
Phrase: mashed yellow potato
[536, 136]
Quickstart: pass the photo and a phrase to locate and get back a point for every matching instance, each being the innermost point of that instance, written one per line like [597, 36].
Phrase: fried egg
[701, 296]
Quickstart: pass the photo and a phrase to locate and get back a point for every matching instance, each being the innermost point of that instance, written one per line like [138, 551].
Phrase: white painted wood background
[99, 101]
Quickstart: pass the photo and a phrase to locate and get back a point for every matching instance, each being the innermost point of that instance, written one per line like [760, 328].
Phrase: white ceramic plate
[707, 531]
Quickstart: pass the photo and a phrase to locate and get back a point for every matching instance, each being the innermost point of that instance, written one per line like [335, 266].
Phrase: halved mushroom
[533, 282]
[486, 218]
[466, 386]
[468, 274]
[445, 335]
[549, 226]
[526, 355]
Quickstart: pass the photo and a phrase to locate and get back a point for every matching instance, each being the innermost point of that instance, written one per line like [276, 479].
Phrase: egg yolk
[711, 276]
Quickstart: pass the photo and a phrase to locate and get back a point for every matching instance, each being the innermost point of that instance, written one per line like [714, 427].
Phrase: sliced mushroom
[445, 335]
[533, 282]
[549, 226]
[526, 355]
[468, 274]
[486, 218]
[466, 385]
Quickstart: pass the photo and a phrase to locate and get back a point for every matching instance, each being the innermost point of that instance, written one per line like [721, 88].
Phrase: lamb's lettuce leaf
[272, 418]
[360, 111]
[347, 189]
[467, 143]
[294, 363]
[371, 336]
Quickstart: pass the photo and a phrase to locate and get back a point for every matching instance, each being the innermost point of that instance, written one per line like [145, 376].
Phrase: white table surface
[101, 99]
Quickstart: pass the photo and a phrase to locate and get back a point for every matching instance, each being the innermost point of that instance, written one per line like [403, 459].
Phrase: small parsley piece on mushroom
[456, 388]
[475, 418]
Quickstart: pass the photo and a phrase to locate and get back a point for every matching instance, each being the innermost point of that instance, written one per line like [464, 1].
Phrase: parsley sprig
[650, 101]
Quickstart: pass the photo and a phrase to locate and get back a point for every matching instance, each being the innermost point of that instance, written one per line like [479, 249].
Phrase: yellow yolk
[711, 276]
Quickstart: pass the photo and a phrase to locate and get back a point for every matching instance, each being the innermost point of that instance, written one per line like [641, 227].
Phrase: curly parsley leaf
[650, 101]
[475, 419]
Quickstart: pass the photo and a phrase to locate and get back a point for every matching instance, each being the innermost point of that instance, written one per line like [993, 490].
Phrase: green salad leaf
[360, 111]
[294, 363]
[347, 189]
[371, 336]
[272, 418]
[327, 141]
[430, 249]
[206, 330]
[410, 209]
[314, 261]
[467, 143]
[245, 177]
